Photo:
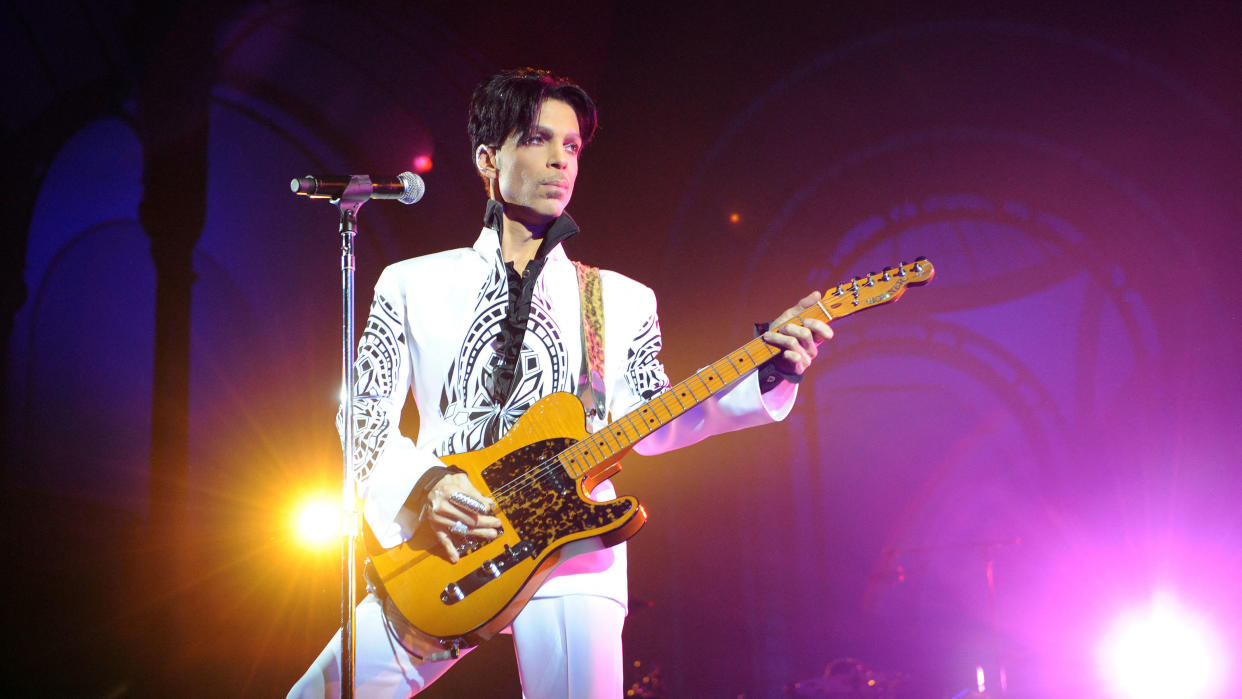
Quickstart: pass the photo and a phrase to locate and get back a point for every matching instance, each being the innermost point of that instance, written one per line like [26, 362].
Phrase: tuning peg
[871, 279]
[854, 285]
[918, 264]
[887, 273]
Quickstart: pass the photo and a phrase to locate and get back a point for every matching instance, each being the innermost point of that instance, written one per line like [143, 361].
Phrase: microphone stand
[357, 193]
[407, 189]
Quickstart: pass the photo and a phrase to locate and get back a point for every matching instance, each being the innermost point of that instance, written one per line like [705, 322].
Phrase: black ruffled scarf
[521, 289]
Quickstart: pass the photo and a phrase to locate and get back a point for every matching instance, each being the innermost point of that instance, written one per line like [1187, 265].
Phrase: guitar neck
[619, 436]
[622, 434]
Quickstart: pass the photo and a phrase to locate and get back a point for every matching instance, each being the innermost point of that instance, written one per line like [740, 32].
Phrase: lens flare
[1164, 650]
[318, 522]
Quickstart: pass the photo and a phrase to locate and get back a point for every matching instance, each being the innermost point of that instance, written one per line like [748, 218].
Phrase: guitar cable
[393, 632]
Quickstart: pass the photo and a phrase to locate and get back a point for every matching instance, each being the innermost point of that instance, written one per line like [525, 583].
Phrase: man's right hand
[442, 513]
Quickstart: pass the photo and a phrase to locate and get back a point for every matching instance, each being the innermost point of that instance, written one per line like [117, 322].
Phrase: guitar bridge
[455, 592]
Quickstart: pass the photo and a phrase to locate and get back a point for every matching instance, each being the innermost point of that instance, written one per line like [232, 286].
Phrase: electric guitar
[539, 475]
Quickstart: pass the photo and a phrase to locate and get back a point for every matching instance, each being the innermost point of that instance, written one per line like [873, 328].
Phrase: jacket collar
[488, 244]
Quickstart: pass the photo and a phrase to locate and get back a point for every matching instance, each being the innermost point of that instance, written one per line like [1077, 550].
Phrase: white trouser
[566, 647]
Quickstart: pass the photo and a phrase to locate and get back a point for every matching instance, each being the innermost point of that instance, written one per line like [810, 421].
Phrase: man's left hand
[800, 343]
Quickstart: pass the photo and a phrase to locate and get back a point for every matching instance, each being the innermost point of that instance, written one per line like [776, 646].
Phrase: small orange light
[735, 217]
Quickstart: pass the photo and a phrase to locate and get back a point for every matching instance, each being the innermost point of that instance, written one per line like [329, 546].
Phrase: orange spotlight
[318, 522]
[735, 217]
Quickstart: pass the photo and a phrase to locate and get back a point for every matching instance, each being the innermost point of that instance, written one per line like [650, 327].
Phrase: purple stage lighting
[1163, 650]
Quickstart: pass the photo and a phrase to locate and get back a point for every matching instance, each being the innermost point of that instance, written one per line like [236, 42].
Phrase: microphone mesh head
[414, 188]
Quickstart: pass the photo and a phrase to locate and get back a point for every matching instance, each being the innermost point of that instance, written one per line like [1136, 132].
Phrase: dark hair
[510, 101]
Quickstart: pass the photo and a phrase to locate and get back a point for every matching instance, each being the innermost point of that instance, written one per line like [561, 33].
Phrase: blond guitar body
[542, 507]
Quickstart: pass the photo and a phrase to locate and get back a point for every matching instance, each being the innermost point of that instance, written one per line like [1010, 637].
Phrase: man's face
[537, 172]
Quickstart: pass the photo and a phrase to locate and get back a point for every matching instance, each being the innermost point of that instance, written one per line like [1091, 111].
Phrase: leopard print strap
[592, 295]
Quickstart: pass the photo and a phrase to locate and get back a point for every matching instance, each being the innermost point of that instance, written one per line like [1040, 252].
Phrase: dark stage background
[1067, 389]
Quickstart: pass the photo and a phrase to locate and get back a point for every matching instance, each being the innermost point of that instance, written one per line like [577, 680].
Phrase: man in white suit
[478, 335]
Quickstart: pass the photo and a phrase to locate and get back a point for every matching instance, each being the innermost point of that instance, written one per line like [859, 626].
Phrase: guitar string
[548, 466]
[527, 478]
[541, 469]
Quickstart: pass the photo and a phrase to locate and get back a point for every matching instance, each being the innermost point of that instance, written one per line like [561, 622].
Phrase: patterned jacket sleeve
[387, 465]
[643, 377]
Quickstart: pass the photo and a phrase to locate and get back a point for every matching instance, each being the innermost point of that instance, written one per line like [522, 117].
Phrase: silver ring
[459, 528]
[468, 503]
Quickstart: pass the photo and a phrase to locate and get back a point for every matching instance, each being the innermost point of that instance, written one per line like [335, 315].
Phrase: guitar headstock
[876, 289]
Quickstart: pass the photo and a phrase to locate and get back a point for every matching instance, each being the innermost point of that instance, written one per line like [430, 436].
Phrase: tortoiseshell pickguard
[542, 501]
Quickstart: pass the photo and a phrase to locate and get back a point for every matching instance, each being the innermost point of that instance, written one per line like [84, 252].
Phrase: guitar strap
[591, 376]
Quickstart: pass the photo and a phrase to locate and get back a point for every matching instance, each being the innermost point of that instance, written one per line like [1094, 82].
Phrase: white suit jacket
[433, 330]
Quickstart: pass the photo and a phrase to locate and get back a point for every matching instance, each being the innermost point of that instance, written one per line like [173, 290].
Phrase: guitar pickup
[488, 571]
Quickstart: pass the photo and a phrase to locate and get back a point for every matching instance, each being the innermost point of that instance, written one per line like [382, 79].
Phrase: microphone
[406, 188]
